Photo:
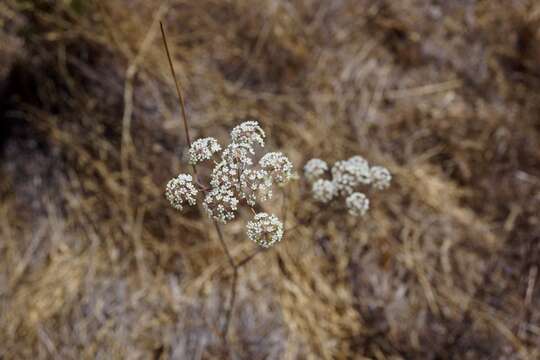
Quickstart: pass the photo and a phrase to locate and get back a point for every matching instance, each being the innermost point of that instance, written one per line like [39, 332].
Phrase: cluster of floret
[180, 190]
[235, 179]
[346, 180]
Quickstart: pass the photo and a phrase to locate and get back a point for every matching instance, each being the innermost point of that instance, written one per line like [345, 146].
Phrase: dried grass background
[446, 94]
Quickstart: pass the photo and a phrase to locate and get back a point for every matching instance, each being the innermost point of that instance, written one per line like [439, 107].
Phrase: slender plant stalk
[232, 300]
[232, 296]
[250, 257]
[224, 244]
[178, 90]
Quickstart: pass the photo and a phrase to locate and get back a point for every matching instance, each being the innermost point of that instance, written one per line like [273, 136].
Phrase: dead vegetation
[94, 263]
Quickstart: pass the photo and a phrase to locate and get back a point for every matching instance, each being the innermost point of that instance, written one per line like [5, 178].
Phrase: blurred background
[95, 264]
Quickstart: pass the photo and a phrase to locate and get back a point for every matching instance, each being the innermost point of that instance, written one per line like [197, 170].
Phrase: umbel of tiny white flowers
[347, 176]
[203, 149]
[234, 178]
[278, 166]
[180, 190]
[324, 190]
[248, 132]
[255, 183]
[381, 177]
[357, 203]
[221, 204]
[265, 229]
[315, 169]
[238, 155]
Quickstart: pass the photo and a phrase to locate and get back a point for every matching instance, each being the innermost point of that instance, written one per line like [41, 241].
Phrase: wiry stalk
[250, 257]
[232, 296]
[225, 248]
[178, 91]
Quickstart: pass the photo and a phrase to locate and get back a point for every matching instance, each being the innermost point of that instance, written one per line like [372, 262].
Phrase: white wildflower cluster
[221, 204]
[203, 149]
[255, 184]
[235, 179]
[314, 169]
[180, 190]
[357, 203]
[380, 177]
[224, 176]
[238, 155]
[347, 176]
[248, 132]
[278, 166]
[265, 229]
[324, 190]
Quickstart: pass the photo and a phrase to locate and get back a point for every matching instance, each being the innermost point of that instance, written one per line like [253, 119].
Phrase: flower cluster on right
[345, 180]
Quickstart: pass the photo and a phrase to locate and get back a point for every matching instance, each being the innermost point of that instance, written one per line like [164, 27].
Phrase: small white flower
[238, 154]
[381, 177]
[248, 132]
[203, 149]
[324, 190]
[180, 190]
[357, 203]
[225, 176]
[221, 205]
[349, 174]
[278, 166]
[360, 168]
[255, 183]
[265, 229]
[314, 169]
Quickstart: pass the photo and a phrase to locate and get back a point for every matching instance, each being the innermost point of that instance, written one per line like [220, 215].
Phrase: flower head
[314, 169]
[235, 177]
[381, 177]
[225, 176]
[324, 190]
[221, 205]
[278, 166]
[248, 132]
[348, 174]
[255, 183]
[357, 203]
[238, 154]
[180, 190]
[203, 149]
[265, 229]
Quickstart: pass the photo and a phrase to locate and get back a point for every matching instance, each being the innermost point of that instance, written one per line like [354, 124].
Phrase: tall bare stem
[178, 91]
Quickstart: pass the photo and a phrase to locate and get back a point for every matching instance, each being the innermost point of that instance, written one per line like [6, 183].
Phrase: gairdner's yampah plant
[238, 179]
